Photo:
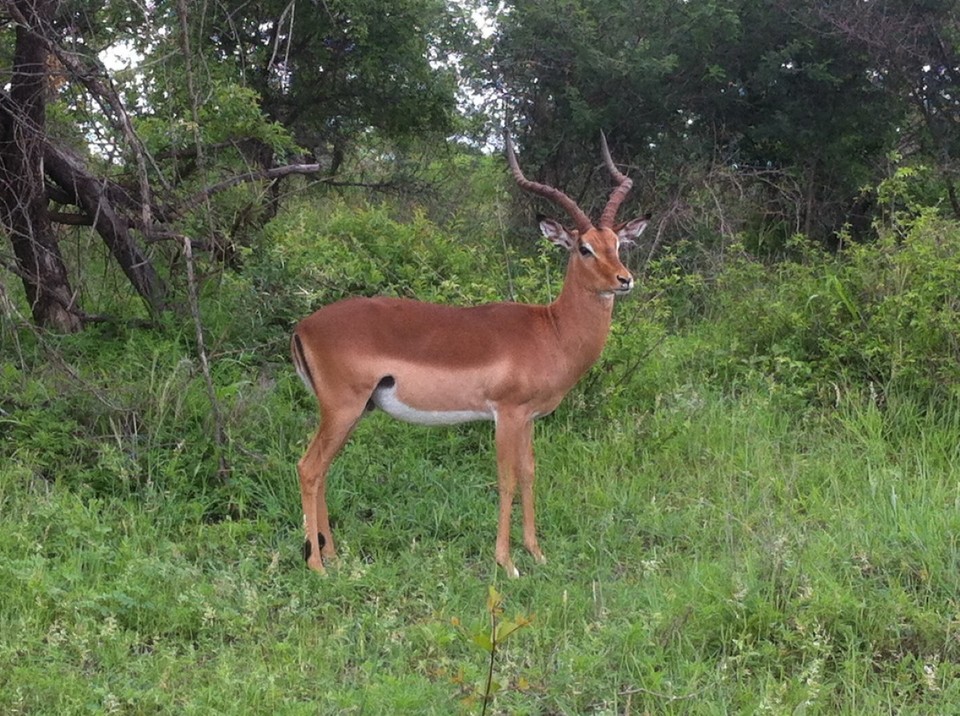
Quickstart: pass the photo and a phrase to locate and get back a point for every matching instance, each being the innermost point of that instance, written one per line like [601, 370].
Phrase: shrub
[877, 317]
[312, 255]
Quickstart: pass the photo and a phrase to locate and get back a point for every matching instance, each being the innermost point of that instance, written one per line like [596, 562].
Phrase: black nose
[625, 280]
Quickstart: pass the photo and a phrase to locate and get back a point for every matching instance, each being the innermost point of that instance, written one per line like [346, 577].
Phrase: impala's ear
[557, 234]
[630, 231]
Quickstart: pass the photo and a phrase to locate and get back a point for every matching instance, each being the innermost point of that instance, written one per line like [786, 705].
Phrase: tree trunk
[23, 196]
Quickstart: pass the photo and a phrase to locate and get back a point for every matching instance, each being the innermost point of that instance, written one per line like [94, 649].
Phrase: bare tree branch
[70, 173]
[65, 218]
[219, 435]
[274, 173]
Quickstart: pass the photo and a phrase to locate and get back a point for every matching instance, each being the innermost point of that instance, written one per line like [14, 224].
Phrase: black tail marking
[301, 361]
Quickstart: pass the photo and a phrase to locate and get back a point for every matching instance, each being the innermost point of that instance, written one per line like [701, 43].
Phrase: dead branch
[220, 438]
[71, 175]
[66, 218]
[275, 173]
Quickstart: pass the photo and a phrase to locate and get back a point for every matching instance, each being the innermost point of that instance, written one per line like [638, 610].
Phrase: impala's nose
[626, 283]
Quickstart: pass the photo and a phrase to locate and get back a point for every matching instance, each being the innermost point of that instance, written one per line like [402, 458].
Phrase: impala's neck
[581, 317]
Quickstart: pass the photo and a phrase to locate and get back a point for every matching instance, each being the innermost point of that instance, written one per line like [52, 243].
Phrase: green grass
[711, 551]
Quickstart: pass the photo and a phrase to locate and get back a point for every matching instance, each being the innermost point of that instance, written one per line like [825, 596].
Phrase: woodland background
[750, 505]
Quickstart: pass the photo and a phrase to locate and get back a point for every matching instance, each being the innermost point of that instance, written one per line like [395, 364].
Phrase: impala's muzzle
[626, 283]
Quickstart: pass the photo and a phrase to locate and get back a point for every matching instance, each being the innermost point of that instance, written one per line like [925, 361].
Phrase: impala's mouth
[624, 284]
[621, 291]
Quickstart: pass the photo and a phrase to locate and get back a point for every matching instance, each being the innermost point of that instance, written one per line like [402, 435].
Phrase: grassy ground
[710, 551]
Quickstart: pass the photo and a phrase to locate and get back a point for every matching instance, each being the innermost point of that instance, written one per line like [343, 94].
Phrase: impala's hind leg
[335, 427]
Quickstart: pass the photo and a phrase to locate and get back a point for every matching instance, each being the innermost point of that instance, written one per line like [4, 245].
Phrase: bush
[880, 317]
[313, 255]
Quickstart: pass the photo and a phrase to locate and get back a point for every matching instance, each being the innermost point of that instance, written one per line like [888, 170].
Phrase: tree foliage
[802, 100]
[329, 71]
[737, 120]
[218, 100]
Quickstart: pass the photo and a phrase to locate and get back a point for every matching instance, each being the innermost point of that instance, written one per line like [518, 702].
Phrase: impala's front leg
[526, 469]
[513, 437]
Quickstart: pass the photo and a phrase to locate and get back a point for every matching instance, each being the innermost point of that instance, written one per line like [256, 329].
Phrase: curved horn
[580, 219]
[619, 193]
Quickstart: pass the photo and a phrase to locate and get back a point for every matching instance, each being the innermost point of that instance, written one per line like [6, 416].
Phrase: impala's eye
[586, 250]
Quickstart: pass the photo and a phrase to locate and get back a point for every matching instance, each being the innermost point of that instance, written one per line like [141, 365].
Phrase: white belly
[386, 399]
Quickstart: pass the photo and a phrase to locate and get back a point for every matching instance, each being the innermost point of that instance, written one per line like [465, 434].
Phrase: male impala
[438, 365]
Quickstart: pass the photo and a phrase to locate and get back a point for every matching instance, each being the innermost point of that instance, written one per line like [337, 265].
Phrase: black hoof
[308, 550]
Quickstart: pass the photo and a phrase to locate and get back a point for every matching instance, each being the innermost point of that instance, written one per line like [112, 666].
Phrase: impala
[438, 365]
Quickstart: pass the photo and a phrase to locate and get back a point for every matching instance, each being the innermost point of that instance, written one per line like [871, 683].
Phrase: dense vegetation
[749, 505]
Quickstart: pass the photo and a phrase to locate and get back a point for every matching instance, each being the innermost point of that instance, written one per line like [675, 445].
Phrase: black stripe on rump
[302, 361]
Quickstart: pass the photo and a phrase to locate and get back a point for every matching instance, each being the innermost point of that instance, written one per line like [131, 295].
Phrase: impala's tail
[300, 363]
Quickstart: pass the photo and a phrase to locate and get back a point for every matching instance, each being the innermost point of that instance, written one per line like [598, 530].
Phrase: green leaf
[504, 629]
[494, 599]
[483, 640]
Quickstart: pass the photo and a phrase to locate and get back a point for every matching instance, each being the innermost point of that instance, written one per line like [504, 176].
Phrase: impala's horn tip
[580, 219]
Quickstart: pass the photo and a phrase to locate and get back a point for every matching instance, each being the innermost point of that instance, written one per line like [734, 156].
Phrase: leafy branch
[490, 640]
